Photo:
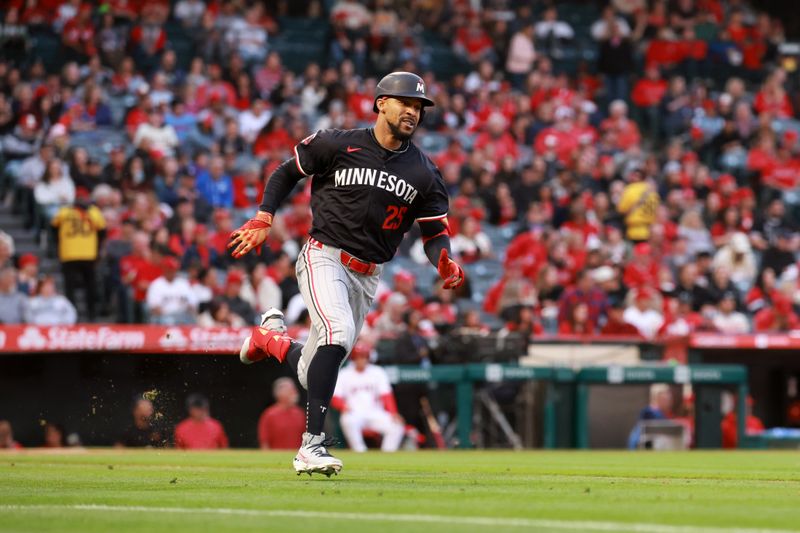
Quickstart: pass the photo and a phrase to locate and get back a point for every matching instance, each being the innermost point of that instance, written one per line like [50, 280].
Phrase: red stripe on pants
[315, 298]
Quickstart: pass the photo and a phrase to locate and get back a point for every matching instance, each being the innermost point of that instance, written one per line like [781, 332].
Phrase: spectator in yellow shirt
[80, 229]
[639, 204]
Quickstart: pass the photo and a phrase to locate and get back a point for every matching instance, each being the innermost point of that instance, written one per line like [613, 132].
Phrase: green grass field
[172, 491]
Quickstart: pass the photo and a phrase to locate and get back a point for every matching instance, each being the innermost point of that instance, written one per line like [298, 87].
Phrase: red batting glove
[450, 271]
[251, 235]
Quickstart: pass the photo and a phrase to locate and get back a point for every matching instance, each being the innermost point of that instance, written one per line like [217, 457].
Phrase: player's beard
[398, 133]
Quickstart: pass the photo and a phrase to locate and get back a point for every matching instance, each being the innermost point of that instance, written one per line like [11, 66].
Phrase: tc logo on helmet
[420, 87]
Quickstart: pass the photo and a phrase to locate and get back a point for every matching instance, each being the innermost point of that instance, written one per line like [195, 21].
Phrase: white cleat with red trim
[313, 456]
[267, 340]
[273, 319]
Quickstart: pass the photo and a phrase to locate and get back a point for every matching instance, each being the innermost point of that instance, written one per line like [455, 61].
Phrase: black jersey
[364, 198]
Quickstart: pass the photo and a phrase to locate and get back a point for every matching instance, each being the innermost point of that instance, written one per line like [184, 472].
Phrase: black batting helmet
[405, 84]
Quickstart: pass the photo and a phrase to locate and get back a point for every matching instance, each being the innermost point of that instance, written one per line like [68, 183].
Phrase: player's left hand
[450, 271]
[251, 235]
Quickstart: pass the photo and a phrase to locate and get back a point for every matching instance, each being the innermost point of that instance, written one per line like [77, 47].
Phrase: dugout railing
[708, 382]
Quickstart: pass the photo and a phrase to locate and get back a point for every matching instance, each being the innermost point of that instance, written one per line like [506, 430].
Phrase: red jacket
[665, 53]
[648, 93]
[730, 435]
[246, 195]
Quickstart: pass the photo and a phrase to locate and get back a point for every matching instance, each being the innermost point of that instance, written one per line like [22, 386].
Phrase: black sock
[322, 374]
[293, 356]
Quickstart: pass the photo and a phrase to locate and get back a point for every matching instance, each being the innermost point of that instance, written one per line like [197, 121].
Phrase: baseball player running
[369, 186]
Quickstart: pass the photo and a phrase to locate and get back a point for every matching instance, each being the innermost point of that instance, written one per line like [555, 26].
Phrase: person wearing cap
[364, 397]
[199, 431]
[389, 324]
[23, 140]
[80, 229]
[170, 299]
[232, 295]
[642, 269]
[639, 205]
[405, 283]
[28, 274]
[615, 322]
[370, 186]
[642, 314]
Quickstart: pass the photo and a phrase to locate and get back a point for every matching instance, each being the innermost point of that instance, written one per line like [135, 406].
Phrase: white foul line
[414, 518]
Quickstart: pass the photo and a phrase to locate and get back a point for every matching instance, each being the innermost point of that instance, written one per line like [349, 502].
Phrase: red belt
[350, 261]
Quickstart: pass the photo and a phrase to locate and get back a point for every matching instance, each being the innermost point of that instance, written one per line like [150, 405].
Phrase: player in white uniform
[364, 397]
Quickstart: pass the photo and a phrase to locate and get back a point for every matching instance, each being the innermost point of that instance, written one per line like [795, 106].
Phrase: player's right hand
[251, 235]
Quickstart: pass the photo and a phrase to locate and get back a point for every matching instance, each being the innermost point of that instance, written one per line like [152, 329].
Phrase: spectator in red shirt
[666, 50]
[578, 322]
[7, 441]
[215, 87]
[780, 317]
[772, 98]
[736, 29]
[148, 39]
[247, 188]
[138, 270]
[473, 42]
[762, 157]
[558, 140]
[281, 425]
[584, 292]
[455, 153]
[199, 431]
[405, 283]
[642, 269]
[627, 132]
[78, 35]
[615, 323]
[140, 113]
[497, 138]
[752, 426]
[297, 220]
[647, 94]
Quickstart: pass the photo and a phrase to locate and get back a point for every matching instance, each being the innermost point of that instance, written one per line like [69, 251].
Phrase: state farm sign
[121, 338]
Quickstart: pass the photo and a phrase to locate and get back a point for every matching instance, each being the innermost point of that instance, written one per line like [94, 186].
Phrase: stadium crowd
[633, 173]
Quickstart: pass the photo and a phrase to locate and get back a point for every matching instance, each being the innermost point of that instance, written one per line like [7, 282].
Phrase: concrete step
[28, 247]
[9, 222]
[21, 234]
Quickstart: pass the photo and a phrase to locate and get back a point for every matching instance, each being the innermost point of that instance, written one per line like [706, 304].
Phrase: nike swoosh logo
[350, 149]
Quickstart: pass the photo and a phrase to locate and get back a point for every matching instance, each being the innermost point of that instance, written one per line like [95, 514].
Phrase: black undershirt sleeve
[435, 236]
[280, 185]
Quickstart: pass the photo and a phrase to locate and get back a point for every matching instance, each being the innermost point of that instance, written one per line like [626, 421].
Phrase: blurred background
[624, 191]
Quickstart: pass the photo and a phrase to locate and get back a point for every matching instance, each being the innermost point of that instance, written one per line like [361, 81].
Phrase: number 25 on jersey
[394, 216]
